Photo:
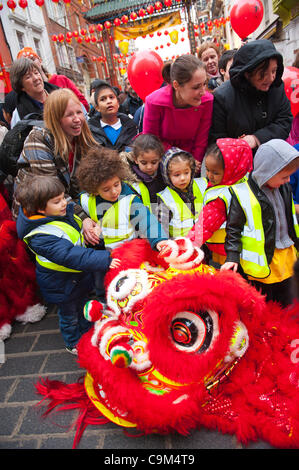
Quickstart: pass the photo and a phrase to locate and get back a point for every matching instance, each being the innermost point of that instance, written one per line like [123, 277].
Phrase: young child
[144, 160]
[112, 203]
[181, 201]
[262, 228]
[227, 162]
[64, 266]
[109, 127]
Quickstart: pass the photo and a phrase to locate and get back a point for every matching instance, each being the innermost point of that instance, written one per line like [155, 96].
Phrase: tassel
[69, 397]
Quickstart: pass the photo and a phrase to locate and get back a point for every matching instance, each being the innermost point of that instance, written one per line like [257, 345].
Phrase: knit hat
[27, 52]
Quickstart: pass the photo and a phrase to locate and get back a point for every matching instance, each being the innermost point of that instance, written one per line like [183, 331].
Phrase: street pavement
[36, 351]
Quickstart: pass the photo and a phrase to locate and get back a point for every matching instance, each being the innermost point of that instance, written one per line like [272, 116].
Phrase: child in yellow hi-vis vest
[262, 229]
[181, 201]
[64, 266]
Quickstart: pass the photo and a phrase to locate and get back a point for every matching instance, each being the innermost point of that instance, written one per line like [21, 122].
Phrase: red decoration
[124, 19]
[11, 4]
[291, 85]
[69, 35]
[23, 3]
[159, 33]
[145, 73]
[60, 37]
[150, 9]
[117, 22]
[79, 40]
[87, 39]
[67, 2]
[100, 27]
[107, 25]
[246, 16]
[75, 34]
[1, 6]
[54, 38]
[158, 6]
[166, 32]
[83, 31]
[93, 39]
[94, 59]
[142, 12]
[133, 16]
[91, 29]
[168, 3]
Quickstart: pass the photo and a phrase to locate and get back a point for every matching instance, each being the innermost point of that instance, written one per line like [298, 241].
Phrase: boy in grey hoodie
[262, 228]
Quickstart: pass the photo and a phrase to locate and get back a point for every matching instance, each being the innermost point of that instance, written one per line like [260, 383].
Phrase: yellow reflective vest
[253, 257]
[62, 230]
[183, 219]
[143, 192]
[115, 224]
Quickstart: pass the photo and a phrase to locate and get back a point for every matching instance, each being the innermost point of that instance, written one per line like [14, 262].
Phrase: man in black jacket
[253, 104]
[109, 127]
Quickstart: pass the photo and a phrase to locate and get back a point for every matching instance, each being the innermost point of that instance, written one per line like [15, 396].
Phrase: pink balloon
[291, 85]
[145, 73]
[246, 16]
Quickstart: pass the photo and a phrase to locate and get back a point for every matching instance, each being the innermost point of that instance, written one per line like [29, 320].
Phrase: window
[62, 55]
[72, 58]
[20, 37]
[37, 46]
[56, 12]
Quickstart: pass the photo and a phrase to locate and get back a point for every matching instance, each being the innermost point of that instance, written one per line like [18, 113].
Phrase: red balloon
[291, 85]
[145, 73]
[246, 16]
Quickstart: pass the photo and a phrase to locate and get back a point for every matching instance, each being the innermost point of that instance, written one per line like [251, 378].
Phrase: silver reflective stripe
[84, 202]
[253, 257]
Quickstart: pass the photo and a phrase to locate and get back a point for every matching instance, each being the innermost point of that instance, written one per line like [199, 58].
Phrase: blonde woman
[56, 149]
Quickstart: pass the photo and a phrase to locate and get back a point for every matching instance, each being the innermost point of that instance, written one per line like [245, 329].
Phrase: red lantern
[290, 78]
[116, 22]
[182, 39]
[54, 38]
[145, 73]
[87, 39]
[100, 27]
[93, 39]
[246, 16]
[91, 29]
[75, 34]
[168, 3]
[83, 31]
[166, 32]
[69, 35]
[79, 40]
[133, 16]
[23, 3]
[159, 33]
[161, 47]
[55, 1]
[142, 12]
[67, 2]
[68, 40]
[158, 6]
[168, 44]
[1, 6]
[94, 58]
[182, 29]
[124, 19]
[201, 25]
[11, 4]
[107, 25]
[150, 9]
[60, 37]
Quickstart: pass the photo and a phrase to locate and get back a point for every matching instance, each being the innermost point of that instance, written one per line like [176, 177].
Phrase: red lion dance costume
[18, 288]
[182, 346]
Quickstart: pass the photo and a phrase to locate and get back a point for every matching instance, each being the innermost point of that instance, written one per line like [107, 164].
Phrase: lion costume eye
[126, 289]
[194, 332]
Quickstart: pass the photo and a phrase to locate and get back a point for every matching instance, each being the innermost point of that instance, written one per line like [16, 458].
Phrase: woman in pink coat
[180, 113]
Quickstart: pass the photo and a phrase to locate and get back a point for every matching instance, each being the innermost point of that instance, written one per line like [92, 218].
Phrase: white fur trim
[107, 336]
[5, 331]
[32, 314]
[189, 249]
[190, 264]
[174, 251]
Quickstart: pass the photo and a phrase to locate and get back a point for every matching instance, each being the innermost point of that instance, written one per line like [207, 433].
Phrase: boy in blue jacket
[64, 266]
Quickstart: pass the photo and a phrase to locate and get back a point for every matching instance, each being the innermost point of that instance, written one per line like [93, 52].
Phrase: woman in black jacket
[253, 104]
[109, 127]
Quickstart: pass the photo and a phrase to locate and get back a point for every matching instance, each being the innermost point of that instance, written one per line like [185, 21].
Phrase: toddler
[262, 228]
[112, 204]
[144, 160]
[64, 266]
[227, 162]
[181, 201]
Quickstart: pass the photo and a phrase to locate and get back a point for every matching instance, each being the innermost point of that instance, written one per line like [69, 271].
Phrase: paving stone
[203, 439]
[22, 365]
[60, 362]
[123, 441]
[48, 342]
[19, 344]
[47, 323]
[19, 444]
[55, 423]
[25, 391]
[5, 385]
[8, 418]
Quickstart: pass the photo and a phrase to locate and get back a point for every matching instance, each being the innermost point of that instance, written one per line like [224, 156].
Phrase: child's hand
[115, 263]
[89, 233]
[229, 266]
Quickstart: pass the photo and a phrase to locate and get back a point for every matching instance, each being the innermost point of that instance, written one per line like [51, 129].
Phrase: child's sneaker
[72, 350]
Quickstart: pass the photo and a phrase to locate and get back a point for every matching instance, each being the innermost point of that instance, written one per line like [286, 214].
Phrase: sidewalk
[37, 350]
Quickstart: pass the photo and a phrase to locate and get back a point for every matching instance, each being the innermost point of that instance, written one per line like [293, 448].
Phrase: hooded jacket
[276, 204]
[127, 133]
[59, 286]
[240, 109]
[237, 158]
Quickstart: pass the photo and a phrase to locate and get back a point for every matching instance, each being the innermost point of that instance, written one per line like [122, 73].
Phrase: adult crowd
[217, 138]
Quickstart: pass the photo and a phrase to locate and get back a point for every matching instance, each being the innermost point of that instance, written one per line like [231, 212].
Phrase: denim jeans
[99, 284]
[72, 322]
